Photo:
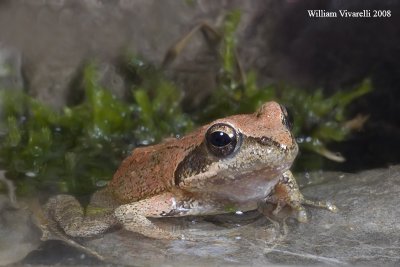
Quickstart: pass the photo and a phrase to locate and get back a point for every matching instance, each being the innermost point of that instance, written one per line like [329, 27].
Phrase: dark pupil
[220, 139]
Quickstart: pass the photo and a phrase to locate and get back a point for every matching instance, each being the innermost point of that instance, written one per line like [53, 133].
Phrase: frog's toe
[331, 207]
[302, 216]
[328, 205]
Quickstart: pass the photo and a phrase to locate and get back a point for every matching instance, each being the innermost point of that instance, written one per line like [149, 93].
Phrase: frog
[235, 163]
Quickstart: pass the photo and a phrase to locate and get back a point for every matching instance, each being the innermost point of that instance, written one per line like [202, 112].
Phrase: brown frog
[233, 163]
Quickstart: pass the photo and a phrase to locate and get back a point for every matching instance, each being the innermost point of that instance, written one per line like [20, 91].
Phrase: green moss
[79, 148]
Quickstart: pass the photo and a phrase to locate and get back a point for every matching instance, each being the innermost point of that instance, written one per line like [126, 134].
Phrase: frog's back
[149, 170]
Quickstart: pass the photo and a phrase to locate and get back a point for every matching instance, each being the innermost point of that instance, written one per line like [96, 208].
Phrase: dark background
[337, 53]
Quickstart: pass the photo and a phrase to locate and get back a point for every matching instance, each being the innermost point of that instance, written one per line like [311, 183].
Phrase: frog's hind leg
[134, 216]
[287, 192]
[69, 215]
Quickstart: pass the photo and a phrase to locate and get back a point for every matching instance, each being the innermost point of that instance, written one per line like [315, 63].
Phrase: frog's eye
[222, 139]
[287, 118]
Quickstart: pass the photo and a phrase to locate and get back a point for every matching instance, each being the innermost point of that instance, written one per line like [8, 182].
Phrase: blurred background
[45, 44]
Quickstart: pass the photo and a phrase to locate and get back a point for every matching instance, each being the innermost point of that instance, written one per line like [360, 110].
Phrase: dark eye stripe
[267, 141]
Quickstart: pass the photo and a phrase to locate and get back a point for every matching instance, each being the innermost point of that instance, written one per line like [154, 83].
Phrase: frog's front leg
[134, 216]
[69, 215]
[287, 192]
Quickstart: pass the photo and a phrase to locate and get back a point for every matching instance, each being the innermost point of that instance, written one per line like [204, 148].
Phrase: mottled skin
[191, 176]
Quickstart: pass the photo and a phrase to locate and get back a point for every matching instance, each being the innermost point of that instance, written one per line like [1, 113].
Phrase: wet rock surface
[365, 231]
[18, 237]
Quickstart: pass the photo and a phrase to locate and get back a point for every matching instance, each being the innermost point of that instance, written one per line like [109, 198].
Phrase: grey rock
[365, 231]
[10, 68]
[18, 235]
[55, 37]
[110, 78]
